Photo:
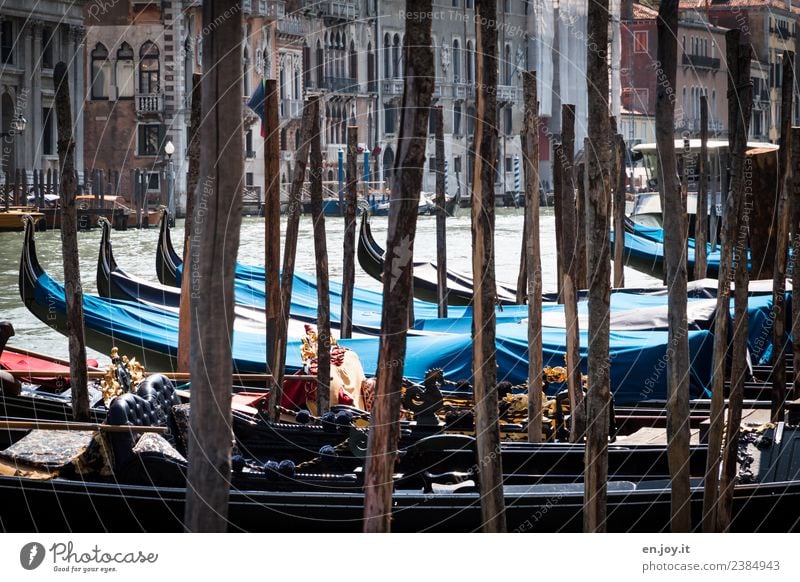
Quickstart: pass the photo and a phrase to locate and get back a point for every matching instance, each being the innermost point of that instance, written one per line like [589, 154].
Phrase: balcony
[340, 84]
[292, 26]
[700, 62]
[291, 108]
[392, 86]
[507, 93]
[339, 10]
[781, 32]
[149, 103]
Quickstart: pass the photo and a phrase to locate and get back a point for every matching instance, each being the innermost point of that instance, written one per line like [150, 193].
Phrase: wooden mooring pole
[185, 312]
[742, 193]
[484, 368]
[795, 234]
[569, 286]
[779, 339]
[323, 290]
[441, 214]
[701, 214]
[349, 253]
[533, 259]
[397, 274]
[310, 120]
[676, 232]
[598, 227]
[73, 290]
[272, 217]
[214, 252]
[618, 206]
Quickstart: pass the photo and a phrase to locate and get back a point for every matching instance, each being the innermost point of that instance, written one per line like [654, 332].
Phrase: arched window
[456, 61]
[470, 64]
[101, 72]
[509, 65]
[246, 71]
[370, 69]
[306, 65]
[354, 62]
[148, 68]
[396, 57]
[320, 65]
[125, 73]
[387, 57]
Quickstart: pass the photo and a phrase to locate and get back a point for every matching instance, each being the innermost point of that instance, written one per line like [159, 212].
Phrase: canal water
[135, 250]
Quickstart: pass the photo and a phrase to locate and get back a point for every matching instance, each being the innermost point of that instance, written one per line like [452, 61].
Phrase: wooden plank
[532, 255]
[272, 216]
[73, 289]
[441, 214]
[779, 339]
[741, 189]
[192, 179]
[349, 243]
[397, 274]
[323, 291]
[214, 252]
[676, 232]
[701, 215]
[310, 120]
[598, 211]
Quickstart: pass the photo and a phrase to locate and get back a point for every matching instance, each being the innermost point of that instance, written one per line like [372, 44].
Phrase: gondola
[435, 488]
[459, 286]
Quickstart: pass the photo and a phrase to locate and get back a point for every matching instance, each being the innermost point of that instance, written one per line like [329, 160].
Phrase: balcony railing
[341, 10]
[149, 103]
[783, 33]
[341, 84]
[393, 86]
[291, 108]
[507, 93]
[700, 62]
[693, 124]
[293, 25]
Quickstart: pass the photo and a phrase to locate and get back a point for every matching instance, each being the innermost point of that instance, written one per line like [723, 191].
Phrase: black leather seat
[151, 405]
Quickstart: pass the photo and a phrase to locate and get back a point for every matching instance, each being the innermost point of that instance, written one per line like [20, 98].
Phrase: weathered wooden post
[35, 189]
[742, 192]
[272, 214]
[620, 183]
[406, 185]
[349, 253]
[558, 211]
[779, 339]
[701, 214]
[192, 179]
[598, 227]
[213, 261]
[484, 367]
[721, 317]
[441, 214]
[569, 287]
[323, 292]
[795, 234]
[533, 260]
[676, 231]
[310, 121]
[581, 276]
[73, 290]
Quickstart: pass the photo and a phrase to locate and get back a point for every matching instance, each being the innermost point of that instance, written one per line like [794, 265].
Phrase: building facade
[32, 40]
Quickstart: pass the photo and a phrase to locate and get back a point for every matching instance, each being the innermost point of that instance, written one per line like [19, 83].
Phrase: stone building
[33, 38]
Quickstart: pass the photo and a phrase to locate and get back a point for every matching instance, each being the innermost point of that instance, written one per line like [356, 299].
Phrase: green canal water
[135, 250]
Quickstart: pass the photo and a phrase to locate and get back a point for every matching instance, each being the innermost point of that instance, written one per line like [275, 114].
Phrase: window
[432, 164]
[457, 164]
[640, 41]
[306, 65]
[150, 140]
[456, 61]
[389, 119]
[125, 72]
[101, 72]
[398, 72]
[246, 72]
[7, 41]
[248, 144]
[320, 64]
[387, 57]
[248, 179]
[470, 120]
[509, 167]
[470, 64]
[508, 119]
[148, 68]
[153, 182]
[354, 62]
[509, 65]
[371, 70]
[457, 119]
[47, 48]
[48, 141]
